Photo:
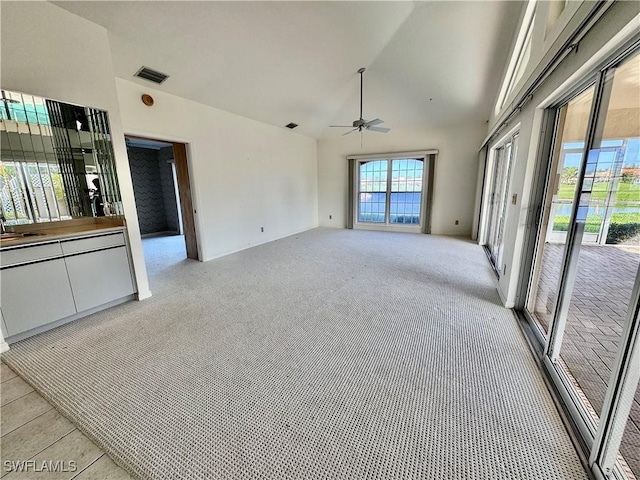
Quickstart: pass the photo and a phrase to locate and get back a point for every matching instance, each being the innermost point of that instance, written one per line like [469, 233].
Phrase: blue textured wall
[152, 184]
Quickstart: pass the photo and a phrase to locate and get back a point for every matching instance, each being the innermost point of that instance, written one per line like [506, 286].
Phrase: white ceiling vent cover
[151, 75]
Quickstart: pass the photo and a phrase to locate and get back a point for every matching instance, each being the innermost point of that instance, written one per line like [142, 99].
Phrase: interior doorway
[162, 190]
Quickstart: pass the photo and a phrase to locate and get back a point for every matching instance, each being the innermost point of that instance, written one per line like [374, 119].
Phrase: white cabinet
[81, 245]
[99, 277]
[55, 280]
[35, 294]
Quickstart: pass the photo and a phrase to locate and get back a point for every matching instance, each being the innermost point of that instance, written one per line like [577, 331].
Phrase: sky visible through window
[631, 154]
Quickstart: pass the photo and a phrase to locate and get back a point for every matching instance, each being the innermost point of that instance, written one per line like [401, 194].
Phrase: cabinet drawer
[29, 254]
[92, 243]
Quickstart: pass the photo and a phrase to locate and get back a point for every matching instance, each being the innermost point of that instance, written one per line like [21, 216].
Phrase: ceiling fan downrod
[361, 124]
[361, 71]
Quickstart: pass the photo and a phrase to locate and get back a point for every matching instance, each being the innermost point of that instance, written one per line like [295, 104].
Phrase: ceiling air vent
[291, 125]
[151, 75]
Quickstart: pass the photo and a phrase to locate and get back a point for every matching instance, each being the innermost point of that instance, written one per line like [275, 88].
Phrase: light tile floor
[33, 431]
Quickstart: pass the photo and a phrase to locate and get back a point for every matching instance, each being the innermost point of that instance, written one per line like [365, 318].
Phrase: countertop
[59, 233]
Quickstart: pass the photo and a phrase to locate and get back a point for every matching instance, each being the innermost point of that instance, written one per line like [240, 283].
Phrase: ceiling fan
[361, 124]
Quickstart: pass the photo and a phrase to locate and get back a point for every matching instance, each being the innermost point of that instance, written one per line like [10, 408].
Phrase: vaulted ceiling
[433, 63]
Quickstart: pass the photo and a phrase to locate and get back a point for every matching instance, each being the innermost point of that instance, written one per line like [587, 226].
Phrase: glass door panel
[497, 180]
[604, 275]
[571, 133]
[511, 150]
[501, 174]
[565, 187]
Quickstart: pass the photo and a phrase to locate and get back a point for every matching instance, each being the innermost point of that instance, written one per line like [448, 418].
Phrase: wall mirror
[56, 161]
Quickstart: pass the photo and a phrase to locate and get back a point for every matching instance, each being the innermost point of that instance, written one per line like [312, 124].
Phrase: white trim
[392, 227]
[488, 185]
[505, 137]
[394, 155]
[383, 227]
[143, 295]
[617, 41]
[297, 232]
[518, 49]
[549, 61]
[483, 228]
[4, 346]
[503, 298]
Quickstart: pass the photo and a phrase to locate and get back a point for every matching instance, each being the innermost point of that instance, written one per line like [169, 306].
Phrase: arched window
[390, 192]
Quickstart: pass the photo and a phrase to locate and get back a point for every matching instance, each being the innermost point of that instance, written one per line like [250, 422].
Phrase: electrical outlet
[457, 222]
[262, 229]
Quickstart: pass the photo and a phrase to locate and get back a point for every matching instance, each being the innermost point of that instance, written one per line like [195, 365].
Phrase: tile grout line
[53, 407]
[88, 466]
[26, 423]
[18, 398]
[10, 369]
[52, 443]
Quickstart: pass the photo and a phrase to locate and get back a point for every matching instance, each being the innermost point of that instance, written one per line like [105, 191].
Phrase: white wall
[244, 174]
[49, 52]
[455, 176]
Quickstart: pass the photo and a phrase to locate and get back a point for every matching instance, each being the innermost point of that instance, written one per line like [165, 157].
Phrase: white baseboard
[231, 252]
[144, 295]
[506, 303]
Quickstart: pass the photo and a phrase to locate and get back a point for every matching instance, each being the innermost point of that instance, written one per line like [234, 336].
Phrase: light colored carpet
[331, 354]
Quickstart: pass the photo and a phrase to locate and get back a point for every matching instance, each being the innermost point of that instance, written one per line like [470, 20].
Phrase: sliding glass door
[584, 290]
[503, 156]
[571, 132]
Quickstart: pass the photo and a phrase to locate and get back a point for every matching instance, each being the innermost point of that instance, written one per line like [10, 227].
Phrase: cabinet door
[99, 277]
[35, 294]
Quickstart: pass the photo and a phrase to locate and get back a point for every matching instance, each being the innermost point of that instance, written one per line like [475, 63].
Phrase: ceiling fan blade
[351, 131]
[373, 122]
[341, 126]
[379, 129]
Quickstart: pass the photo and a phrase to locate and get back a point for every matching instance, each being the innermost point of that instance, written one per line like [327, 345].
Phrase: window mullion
[388, 196]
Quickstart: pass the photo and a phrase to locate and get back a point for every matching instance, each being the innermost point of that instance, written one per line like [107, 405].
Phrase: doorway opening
[162, 190]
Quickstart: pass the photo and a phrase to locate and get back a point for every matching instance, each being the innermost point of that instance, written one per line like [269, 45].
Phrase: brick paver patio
[598, 309]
